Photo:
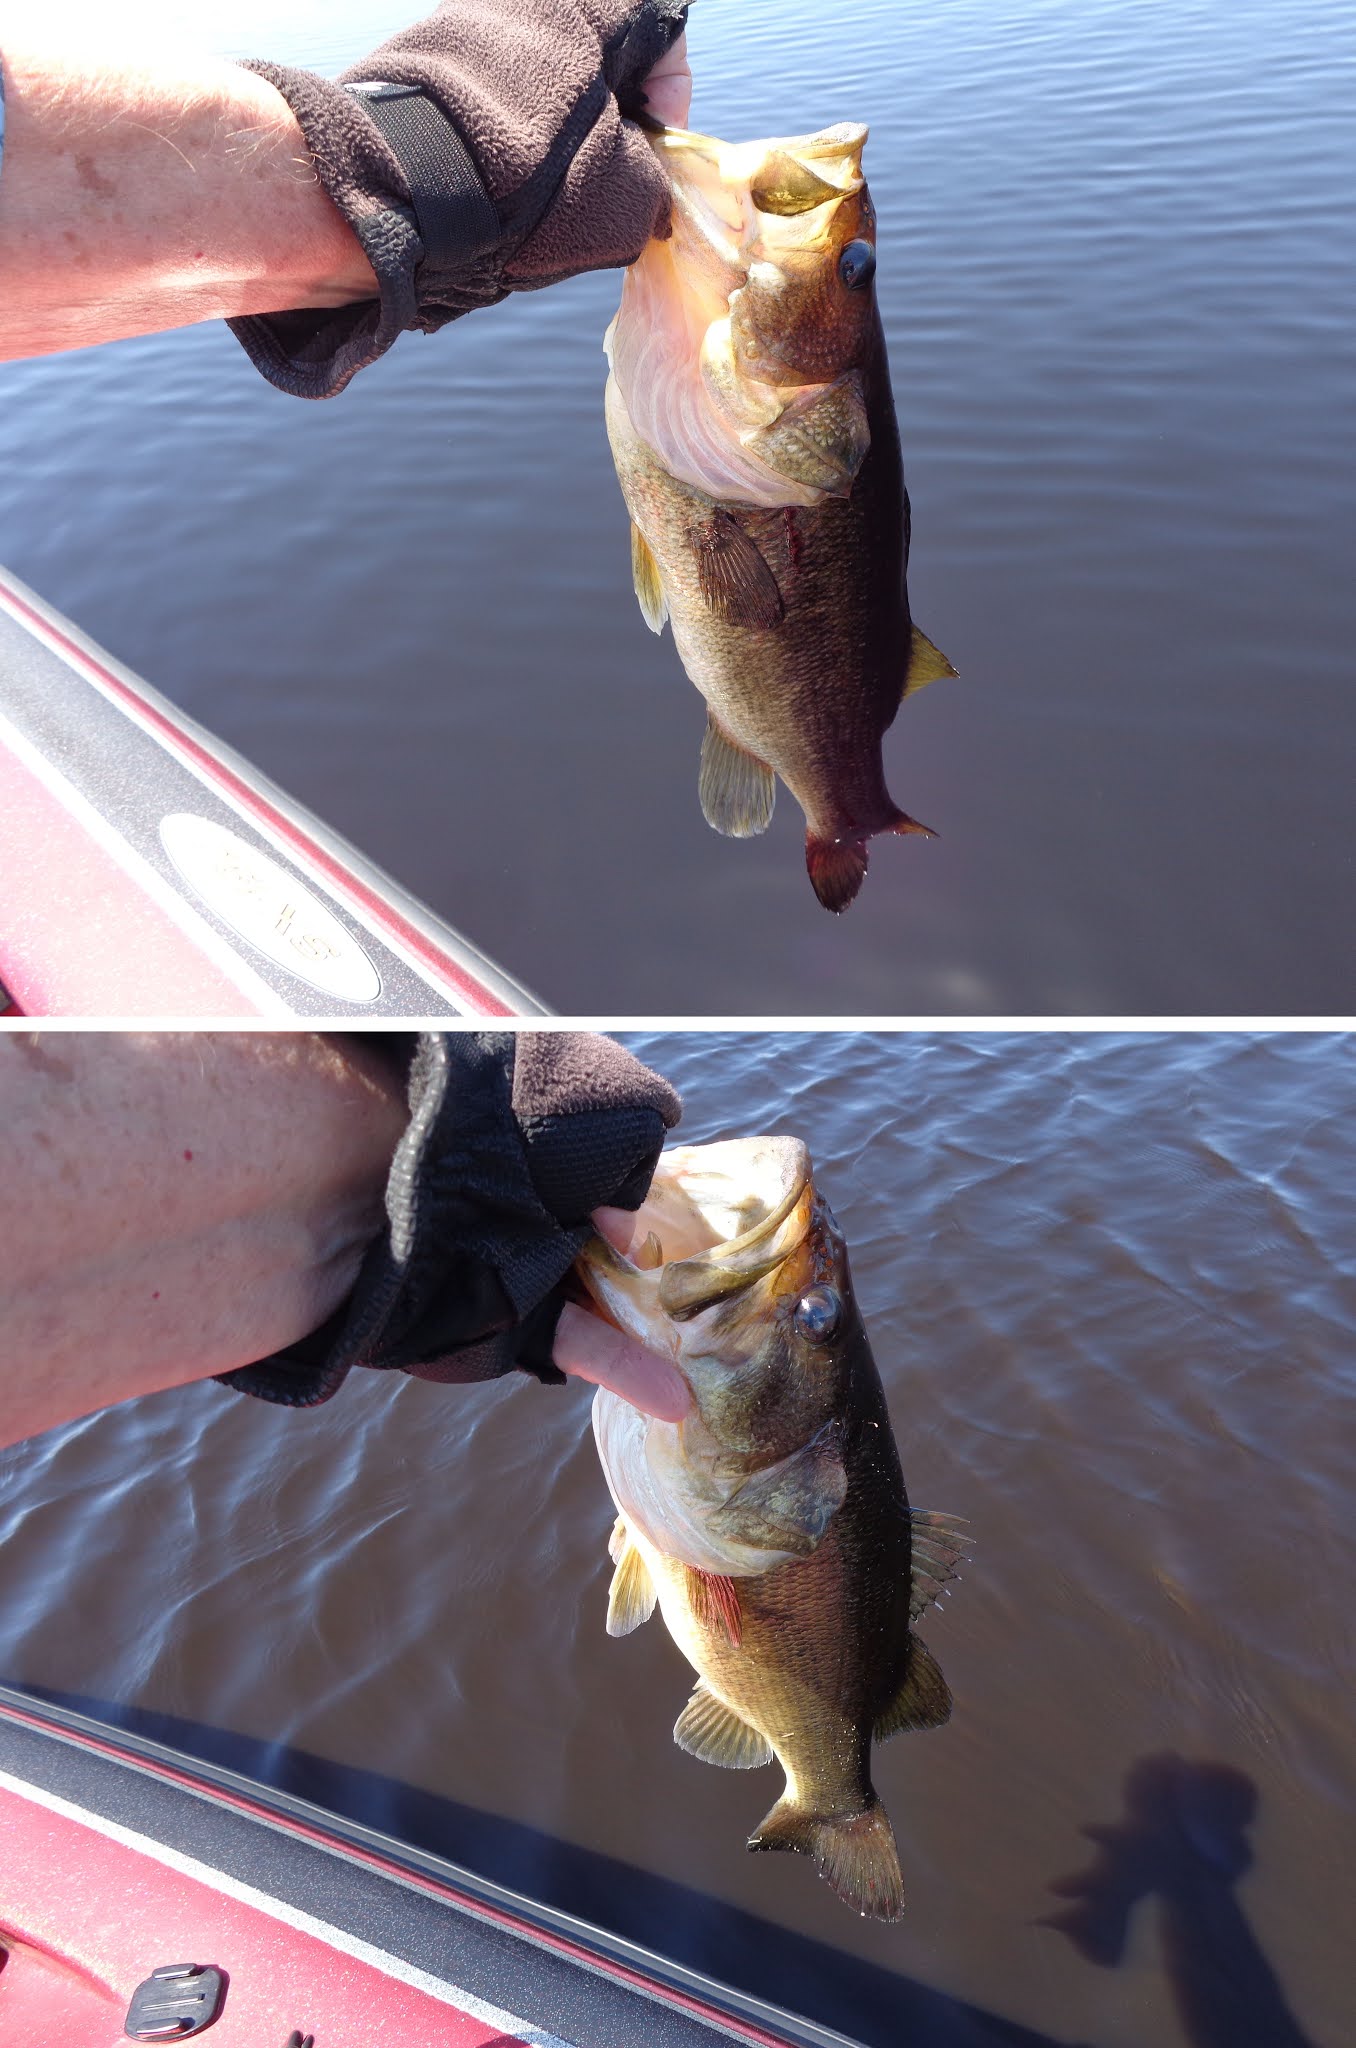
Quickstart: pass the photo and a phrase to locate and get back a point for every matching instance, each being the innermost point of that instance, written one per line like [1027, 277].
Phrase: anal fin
[923, 1700]
[645, 575]
[737, 790]
[708, 1729]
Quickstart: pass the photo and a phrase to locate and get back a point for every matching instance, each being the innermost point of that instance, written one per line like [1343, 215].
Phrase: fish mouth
[729, 197]
[718, 1219]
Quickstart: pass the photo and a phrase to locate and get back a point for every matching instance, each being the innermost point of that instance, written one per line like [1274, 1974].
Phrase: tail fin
[855, 1853]
[837, 867]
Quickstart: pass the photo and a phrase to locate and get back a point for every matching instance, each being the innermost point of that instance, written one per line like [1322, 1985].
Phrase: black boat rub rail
[132, 756]
[490, 1914]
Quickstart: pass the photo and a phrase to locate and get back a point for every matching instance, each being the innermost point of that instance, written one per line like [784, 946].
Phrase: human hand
[587, 1348]
[486, 149]
[516, 1144]
[668, 89]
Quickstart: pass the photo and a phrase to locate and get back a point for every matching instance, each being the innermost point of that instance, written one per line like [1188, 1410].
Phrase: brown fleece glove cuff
[536, 92]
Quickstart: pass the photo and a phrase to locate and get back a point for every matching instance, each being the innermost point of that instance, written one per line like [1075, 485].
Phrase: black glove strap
[453, 213]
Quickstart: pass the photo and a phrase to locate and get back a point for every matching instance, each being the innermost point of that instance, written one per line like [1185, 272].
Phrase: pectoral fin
[927, 664]
[735, 580]
[649, 587]
[737, 790]
[923, 1699]
[708, 1729]
[631, 1597]
[788, 1506]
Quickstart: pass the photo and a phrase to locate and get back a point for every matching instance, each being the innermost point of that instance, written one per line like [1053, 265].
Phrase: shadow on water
[1183, 1841]
[873, 2005]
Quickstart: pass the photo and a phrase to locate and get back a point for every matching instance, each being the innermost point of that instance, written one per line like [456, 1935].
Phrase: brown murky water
[1111, 1288]
[1117, 282]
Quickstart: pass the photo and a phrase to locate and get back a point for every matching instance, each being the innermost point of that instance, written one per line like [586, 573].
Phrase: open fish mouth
[730, 195]
[718, 1226]
[718, 1218]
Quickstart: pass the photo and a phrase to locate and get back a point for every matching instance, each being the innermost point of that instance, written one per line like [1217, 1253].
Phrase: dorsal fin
[927, 664]
[939, 1546]
[923, 1699]
[707, 1728]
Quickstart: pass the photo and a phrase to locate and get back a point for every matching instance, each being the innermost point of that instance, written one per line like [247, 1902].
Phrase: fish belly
[813, 696]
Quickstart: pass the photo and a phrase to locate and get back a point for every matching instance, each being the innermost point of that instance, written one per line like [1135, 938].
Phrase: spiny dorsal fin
[939, 1546]
[735, 580]
[631, 1596]
[927, 664]
[707, 1728]
[922, 1701]
[649, 587]
[737, 790]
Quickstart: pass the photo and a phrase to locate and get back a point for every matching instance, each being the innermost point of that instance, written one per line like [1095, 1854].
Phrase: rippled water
[1117, 281]
[1111, 1291]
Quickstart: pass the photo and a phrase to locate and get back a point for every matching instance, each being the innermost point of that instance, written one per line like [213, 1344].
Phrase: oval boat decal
[267, 905]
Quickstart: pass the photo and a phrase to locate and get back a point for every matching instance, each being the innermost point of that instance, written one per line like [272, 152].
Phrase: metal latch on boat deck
[176, 2001]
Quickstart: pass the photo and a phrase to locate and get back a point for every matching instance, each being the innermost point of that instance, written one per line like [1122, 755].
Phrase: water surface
[1117, 283]
[1110, 1288]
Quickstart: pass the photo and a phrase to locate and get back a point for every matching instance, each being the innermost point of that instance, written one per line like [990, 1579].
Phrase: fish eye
[857, 265]
[818, 1314]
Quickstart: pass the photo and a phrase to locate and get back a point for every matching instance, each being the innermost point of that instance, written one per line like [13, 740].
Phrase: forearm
[140, 194]
[173, 1206]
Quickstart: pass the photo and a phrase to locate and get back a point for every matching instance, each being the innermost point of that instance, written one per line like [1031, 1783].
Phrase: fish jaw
[752, 1476]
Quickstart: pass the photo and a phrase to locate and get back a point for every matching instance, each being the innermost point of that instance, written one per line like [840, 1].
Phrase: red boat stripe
[467, 1902]
[381, 916]
[100, 905]
[261, 1970]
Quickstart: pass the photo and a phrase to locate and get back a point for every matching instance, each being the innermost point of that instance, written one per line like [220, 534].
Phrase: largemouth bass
[771, 1525]
[753, 429]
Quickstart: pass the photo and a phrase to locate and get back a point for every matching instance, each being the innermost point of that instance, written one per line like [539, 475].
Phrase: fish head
[743, 339]
[743, 1282]
[784, 233]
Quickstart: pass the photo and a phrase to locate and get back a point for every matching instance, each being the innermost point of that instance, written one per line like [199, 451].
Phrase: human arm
[147, 191]
[177, 1205]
